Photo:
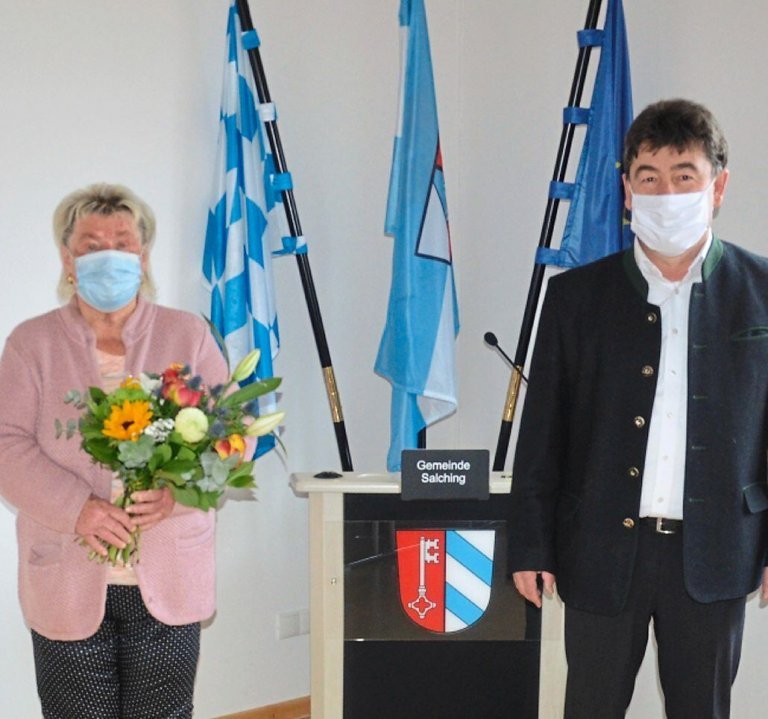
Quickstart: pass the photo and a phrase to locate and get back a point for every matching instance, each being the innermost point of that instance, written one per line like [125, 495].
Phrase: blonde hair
[103, 199]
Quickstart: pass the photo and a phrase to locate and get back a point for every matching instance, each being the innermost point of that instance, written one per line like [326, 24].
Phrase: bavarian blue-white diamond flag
[416, 354]
[246, 220]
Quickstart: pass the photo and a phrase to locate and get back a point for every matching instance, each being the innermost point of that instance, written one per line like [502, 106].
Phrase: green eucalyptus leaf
[73, 397]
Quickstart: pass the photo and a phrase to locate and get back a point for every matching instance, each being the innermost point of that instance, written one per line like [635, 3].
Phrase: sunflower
[127, 420]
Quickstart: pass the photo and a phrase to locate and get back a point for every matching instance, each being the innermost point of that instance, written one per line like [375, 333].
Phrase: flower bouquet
[171, 430]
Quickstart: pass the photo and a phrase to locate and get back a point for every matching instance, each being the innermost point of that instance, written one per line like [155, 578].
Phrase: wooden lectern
[368, 660]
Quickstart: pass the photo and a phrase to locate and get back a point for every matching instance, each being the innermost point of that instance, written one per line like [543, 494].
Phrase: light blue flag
[246, 220]
[416, 353]
[595, 226]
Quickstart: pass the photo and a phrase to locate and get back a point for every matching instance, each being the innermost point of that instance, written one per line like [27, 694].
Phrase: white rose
[191, 423]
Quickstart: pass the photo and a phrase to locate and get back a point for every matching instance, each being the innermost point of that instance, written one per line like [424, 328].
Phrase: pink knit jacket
[48, 480]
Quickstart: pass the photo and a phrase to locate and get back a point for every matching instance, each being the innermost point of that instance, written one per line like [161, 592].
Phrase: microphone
[492, 341]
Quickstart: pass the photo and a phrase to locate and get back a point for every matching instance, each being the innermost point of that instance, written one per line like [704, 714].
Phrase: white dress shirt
[664, 474]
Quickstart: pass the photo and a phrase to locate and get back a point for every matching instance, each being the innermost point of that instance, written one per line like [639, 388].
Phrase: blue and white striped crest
[246, 219]
[445, 576]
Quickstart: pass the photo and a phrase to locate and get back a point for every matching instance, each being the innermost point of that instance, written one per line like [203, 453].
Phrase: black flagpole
[305, 271]
[545, 240]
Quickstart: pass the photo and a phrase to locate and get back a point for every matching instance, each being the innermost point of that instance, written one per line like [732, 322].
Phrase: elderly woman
[108, 641]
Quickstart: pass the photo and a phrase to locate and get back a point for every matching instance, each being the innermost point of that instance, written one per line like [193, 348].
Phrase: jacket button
[647, 371]
[629, 523]
[633, 472]
[639, 422]
[651, 318]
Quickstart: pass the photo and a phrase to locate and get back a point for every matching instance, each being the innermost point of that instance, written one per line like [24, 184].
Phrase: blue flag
[416, 354]
[595, 226]
[246, 220]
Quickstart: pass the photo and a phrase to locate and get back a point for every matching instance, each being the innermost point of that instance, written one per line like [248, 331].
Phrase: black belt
[662, 525]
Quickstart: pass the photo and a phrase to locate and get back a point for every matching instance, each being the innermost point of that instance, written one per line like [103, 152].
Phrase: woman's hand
[101, 521]
[150, 506]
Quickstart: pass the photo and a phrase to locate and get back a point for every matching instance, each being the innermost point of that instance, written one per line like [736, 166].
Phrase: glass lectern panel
[415, 580]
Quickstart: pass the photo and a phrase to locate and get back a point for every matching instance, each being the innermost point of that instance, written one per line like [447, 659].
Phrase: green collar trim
[715, 254]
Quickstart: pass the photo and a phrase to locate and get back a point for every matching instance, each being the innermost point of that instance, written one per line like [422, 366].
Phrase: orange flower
[229, 446]
[131, 383]
[183, 395]
[176, 389]
[173, 373]
[127, 420]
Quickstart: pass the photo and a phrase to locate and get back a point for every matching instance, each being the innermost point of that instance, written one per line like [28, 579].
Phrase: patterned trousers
[134, 667]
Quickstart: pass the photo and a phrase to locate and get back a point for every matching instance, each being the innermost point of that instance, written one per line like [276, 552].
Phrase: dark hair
[681, 124]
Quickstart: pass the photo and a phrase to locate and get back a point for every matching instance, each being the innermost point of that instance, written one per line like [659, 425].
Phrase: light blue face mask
[108, 280]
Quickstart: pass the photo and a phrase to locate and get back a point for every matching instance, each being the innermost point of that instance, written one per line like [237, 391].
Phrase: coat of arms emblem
[445, 576]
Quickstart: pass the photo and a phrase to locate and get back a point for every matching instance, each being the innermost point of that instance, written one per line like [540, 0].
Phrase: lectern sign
[445, 474]
[445, 576]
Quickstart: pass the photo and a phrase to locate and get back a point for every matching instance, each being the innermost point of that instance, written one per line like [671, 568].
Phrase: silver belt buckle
[659, 524]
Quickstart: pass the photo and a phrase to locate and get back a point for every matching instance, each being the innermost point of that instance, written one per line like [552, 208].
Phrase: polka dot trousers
[134, 667]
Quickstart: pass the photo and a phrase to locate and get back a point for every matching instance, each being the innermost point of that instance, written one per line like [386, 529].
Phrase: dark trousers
[699, 645]
[134, 667]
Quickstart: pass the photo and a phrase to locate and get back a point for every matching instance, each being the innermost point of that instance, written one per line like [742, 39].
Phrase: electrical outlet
[292, 624]
[288, 625]
[304, 621]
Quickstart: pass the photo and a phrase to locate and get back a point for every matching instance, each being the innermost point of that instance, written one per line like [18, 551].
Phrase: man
[640, 472]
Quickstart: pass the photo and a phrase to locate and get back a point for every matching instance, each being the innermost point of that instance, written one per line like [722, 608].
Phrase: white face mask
[672, 224]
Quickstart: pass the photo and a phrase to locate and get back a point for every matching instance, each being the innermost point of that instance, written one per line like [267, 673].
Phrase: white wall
[108, 90]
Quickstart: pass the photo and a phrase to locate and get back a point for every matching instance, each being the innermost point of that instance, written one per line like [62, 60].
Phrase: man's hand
[101, 521]
[526, 583]
[151, 506]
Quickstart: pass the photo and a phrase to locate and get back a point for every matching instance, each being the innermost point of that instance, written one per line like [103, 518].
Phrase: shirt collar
[652, 274]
